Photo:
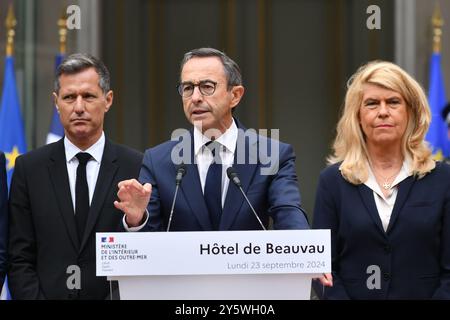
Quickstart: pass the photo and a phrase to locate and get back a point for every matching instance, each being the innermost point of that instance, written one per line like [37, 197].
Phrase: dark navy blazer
[275, 195]
[3, 219]
[43, 239]
[413, 255]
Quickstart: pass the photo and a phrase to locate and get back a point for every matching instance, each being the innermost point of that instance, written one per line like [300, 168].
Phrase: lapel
[404, 188]
[192, 190]
[57, 168]
[108, 169]
[369, 202]
[234, 198]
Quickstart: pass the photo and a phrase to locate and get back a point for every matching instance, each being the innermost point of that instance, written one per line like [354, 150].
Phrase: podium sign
[219, 264]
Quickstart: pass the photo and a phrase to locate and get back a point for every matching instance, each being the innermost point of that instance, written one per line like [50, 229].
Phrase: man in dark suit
[63, 193]
[211, 87]
[3, 219]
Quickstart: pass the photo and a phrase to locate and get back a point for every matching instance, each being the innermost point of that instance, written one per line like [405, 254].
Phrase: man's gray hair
[78, 62]
[232, 70]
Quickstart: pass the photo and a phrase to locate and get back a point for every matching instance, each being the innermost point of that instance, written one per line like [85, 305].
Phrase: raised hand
[133, 199]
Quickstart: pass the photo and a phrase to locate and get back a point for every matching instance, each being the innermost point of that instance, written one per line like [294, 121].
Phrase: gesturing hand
[133, 199]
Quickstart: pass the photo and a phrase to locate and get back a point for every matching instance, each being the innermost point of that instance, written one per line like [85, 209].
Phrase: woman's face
[383, 115]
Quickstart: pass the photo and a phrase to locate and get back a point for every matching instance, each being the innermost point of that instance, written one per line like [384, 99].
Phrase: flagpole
[62, 25]
[437, 134]
[437, 23]
[56, 131]
[10, 24]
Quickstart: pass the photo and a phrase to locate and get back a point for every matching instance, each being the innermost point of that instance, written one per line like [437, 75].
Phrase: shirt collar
[405, 172]
[227, 139]
[96, 150]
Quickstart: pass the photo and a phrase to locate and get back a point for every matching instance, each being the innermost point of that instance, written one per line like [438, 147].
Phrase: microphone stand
[254, 212]
[233, 176]
[173, 206]
[181, 171]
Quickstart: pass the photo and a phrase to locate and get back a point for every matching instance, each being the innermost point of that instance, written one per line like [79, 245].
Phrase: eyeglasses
[206, 87]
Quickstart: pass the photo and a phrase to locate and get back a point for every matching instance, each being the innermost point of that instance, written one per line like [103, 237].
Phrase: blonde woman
[386, 201]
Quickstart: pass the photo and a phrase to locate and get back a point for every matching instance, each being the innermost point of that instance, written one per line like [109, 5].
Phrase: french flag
[108, 239]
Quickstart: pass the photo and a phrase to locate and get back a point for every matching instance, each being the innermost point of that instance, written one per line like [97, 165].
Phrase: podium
[216, 265]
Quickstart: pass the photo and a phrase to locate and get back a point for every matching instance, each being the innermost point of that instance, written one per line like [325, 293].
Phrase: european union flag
[56, 131]
[437, 134]
[12, 134]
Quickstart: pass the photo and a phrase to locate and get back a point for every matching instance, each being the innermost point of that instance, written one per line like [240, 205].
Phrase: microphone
[181, 172]
[233, 176]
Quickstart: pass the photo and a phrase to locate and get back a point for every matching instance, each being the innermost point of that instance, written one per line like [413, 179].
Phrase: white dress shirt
[204, 157]
[386, 204]
[92, 167]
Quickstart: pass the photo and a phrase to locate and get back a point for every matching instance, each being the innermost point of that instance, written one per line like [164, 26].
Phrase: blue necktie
[213, 186]
[81, 194]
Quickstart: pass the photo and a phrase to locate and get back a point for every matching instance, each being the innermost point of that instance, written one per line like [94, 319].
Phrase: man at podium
[222, 163]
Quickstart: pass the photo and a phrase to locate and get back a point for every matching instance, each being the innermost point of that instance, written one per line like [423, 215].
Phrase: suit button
[386, 276]
[387, 248]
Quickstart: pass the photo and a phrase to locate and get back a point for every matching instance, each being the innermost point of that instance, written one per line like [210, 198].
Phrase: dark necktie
[213, 186]
[81, 194]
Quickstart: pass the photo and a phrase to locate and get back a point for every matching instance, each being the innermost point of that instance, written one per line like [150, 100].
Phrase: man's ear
[55, 101]
[237, 93]
[109, 100]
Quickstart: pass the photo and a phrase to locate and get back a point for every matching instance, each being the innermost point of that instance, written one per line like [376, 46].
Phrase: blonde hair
[349, 146]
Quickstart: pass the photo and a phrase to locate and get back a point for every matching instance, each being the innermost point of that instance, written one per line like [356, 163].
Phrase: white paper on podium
[213, 253]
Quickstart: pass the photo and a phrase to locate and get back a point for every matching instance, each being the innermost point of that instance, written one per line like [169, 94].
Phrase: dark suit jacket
[43, 241]
[413, 254]
[3, 219]
[275, 196]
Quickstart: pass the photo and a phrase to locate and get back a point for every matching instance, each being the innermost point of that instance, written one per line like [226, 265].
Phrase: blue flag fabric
[12, 134]
[56, 131]
[437, 134]
[5, 295]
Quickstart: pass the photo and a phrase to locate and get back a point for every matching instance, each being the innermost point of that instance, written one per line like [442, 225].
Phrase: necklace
[386, 184]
